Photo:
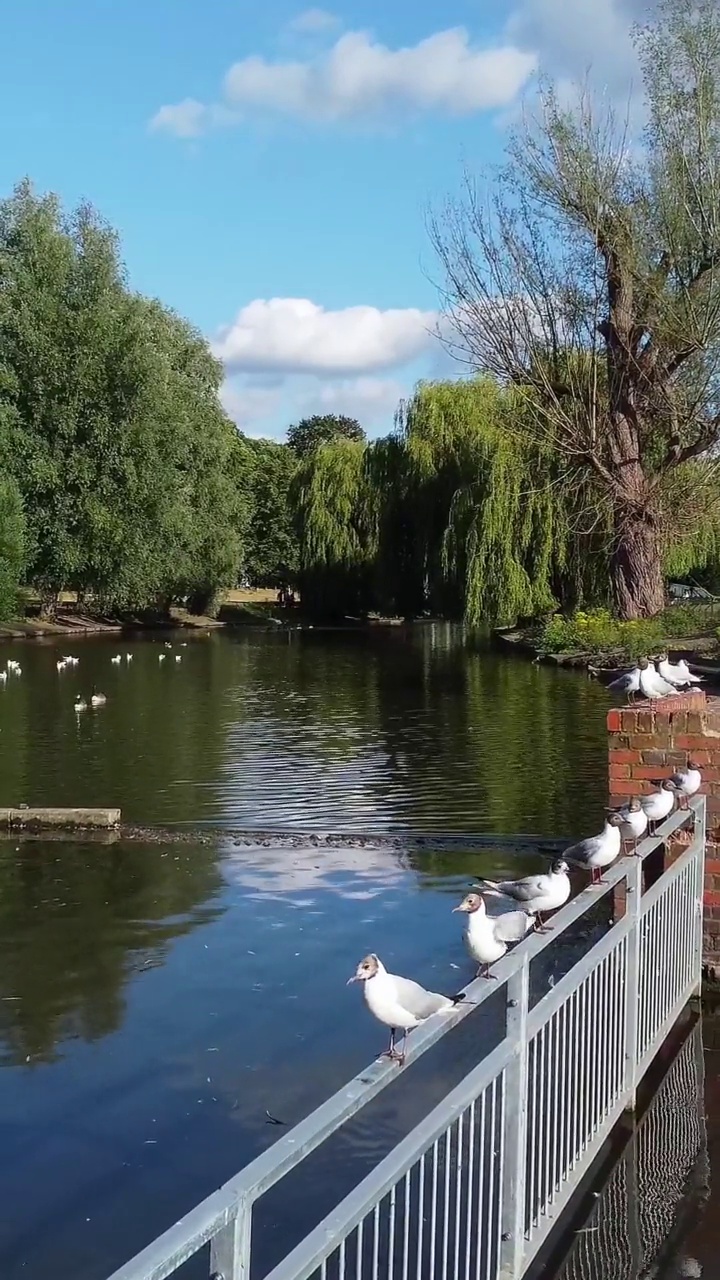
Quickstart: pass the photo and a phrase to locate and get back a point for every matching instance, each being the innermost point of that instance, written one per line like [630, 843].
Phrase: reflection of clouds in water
[279, 871]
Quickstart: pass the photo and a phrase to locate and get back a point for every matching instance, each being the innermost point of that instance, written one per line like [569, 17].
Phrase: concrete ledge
[60, 818]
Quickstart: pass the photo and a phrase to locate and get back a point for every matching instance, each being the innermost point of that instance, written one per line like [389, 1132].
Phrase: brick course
[651, 742]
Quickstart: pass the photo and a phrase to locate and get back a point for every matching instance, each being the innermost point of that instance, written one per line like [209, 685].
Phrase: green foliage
[308, 434]
[12, 547]
[271, 546]
[116, 438]
[336, 543]
[598, 632]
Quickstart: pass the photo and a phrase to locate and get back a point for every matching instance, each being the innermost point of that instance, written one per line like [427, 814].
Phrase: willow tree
[590, 276]
[329, 495]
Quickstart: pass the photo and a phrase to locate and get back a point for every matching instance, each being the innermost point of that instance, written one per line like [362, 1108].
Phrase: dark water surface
[157, 1000]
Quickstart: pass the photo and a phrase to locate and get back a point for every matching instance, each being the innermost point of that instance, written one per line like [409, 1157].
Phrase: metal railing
[474, 1190]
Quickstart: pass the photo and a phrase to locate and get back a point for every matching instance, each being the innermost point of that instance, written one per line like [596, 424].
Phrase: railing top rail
[268, 1168]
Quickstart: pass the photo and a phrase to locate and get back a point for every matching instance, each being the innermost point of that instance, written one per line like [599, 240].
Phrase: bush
[597, 632]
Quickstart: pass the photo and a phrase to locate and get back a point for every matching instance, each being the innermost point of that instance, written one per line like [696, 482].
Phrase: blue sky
[269, 167]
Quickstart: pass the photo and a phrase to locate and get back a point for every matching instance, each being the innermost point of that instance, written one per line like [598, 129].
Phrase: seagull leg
[484, 972]
[540, 925]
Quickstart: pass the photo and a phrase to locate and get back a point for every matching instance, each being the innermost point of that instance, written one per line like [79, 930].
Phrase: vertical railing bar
[433, 1213]
[421, 1216]
[391, 1233]
[538, 1126]
[581, 1075]
[497, 1233]
[359, 1258]
[491, 1179]
[471, 1171]
[341, 1259]
[532, 1134]
[633, 904]
[458, 1190]
[406, 1229]
[514, 1207]
[230, 1247]
[323, 1269]
[603, 1038]
[557, 1103]
[446, 1213]
[563, 1098]
[573, 1087]
[549, 1113]
[376, 1240]
[482, 1181]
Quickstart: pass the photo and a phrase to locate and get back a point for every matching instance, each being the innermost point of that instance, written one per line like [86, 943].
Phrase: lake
[157, 1000]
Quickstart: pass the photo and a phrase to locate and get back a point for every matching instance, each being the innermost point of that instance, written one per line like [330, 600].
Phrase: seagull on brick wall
[677, 674]
[628, 683]
[651, 684]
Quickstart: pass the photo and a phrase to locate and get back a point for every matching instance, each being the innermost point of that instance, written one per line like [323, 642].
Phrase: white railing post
[699, 838]
[230, 1248]
[515, 1117]
[633, 903]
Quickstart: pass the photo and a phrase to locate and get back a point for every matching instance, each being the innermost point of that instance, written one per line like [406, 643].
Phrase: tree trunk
[636, 568]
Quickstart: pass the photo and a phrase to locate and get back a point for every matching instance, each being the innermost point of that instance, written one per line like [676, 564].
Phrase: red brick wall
[650, 741]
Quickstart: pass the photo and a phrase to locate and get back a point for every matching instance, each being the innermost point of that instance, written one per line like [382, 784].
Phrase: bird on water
[399, 1003]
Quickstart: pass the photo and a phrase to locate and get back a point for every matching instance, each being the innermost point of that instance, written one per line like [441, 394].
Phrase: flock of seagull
[401, 1004]
[68, 660]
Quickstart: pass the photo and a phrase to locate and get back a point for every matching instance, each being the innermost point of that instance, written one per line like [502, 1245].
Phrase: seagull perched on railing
[538, 894]
[399, 1003]
[488, 937]
[677, 674]
[687, 782]
[598, 852]
[660, 803]
[634, 820]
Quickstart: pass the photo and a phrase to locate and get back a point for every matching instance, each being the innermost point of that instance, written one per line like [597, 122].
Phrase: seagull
[12, 665]
[17, 669]
[487, 937]
[98, 699]
[80, 704]
[677, 674]
[660, 803]
[3, 677]
[634, 820]
[537, 894]
[161, 657]
[628, 683]
[598, 851]
[651, 684]
[117, 659]
[178, 657]
[71, 661]
[687, 781]
[398, 1002]
[61, 664]
[128, 657]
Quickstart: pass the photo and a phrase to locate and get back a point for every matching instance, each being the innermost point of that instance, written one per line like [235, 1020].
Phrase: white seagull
[178, 657]
[97, 699]
[651, 684]
[128, 657]
[399, 1003]
[3, 677]
[628, 683]
[660, 803]
[538, 894]
[117, 659]
[677, 674]
[598, 852]
[687, 781]
[61, 664]
[161, 657]
[80, 704]
[634, 820]
[488, 937]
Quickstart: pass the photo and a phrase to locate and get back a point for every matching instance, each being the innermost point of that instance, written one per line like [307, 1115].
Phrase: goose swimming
[539, 894]
[598, 852]
[399, 1003]
[488, 937]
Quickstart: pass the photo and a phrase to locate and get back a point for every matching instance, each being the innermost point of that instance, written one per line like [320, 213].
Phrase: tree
[306, 435]
[271, 545]
[12, 546]
[591, 279]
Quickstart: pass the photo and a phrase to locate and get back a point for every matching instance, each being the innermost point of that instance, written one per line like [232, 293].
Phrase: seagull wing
[625, 683]
[512, 926]
[581, 852]
[526, 889]
[418, 1001]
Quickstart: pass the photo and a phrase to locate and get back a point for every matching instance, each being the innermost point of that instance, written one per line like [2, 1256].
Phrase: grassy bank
[596, 639]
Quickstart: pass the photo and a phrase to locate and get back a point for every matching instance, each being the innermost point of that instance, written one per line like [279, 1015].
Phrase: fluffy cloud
[295, 335]
[359, 79]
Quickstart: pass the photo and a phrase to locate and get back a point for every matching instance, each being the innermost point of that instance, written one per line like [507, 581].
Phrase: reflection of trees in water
[76, 921]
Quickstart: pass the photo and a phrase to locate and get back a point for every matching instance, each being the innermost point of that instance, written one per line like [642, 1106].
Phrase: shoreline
[701, 652]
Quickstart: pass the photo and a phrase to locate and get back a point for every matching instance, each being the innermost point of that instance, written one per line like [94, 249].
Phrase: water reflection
[75, 922]
[408, 729]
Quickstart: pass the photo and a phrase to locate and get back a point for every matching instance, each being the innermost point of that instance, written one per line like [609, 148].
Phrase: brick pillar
[651, 741]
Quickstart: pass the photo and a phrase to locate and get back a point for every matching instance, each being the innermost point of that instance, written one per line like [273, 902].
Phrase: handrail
[160, 1258]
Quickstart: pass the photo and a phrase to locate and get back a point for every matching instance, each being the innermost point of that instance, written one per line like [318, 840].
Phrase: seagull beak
[353, 979]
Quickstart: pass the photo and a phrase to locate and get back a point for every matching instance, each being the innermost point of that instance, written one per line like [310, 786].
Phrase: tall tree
[591, 278]
[271, 544]
[310, 433]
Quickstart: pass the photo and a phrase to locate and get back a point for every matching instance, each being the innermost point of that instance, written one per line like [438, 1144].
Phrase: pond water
[157, 1000]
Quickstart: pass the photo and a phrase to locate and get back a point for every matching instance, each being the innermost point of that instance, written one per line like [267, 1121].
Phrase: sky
[270, 167]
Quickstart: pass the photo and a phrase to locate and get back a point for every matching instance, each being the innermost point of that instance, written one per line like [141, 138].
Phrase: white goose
[399, 1003]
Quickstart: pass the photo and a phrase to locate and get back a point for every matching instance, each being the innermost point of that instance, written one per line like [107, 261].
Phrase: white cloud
[259, 411]
[359, 79]
[295, 335]
[314, 22]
